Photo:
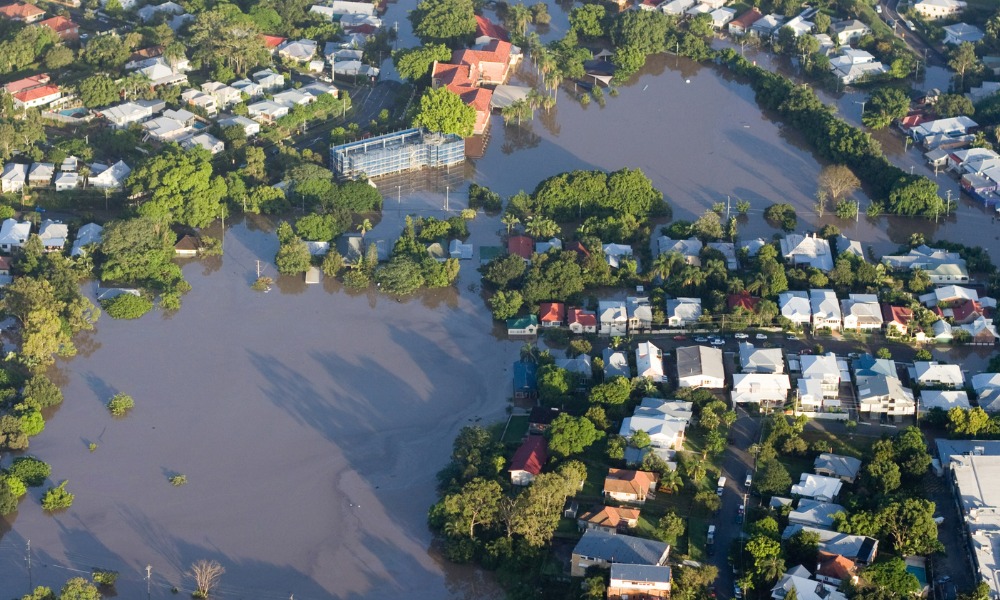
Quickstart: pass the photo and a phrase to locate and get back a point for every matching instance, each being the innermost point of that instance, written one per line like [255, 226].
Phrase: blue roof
[614, 548]
[525, 375]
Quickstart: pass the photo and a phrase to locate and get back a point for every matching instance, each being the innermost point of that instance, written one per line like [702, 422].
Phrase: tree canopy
[444, 21]
[442, 110]
[414, 64]
[179, 186]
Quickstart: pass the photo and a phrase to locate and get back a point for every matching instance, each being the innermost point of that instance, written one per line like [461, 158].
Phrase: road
[366, 104]
[931, 54]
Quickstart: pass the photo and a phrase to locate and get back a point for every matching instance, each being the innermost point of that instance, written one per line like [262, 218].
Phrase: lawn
[850, 445]
[517, 428]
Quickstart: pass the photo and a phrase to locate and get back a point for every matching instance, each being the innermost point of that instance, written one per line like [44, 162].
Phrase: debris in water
[644, 87]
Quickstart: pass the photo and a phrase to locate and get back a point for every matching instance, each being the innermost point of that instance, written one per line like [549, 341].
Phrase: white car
[718, 342]
[761, 336]
[741, 336]
[701, 339]
[791, 337]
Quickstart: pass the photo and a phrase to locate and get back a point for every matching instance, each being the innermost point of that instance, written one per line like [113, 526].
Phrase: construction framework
[406, 150]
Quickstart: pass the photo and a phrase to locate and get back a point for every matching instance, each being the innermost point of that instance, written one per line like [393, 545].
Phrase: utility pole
[31, 581]
[258, 268]
[728, 201]
[447, 190]
[399, 194]
[149, 575]
[862, 103]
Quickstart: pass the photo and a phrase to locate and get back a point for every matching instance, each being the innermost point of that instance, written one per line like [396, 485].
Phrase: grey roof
[616, 364]
[948, 448]
[620, 548]
[700, 360]
[841, 466]
[640, 573]
[815, 512]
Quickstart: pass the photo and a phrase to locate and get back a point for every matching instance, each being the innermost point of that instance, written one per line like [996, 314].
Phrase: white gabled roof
[817, 486]
[931, 371]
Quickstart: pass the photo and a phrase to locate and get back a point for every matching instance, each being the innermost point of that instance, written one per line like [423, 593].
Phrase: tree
[963, 59]
[708, 501]
[885, 105]
[106, 52]
[57, 498]
[179, 185]
[765, 554]
[588, 20]
[953, 105]
[40, 390]
[822, 22]
[612, 392]
[912, 196]
[414, 64]
[782, 215]
[30, 470]
[502, 271]
[708, 227]
[772, 478]
[570, 435]
[120, 404]
[401, 275]
[444, 21]
[846, 209]
[79, 588]
[98, 91]
[640, 439]
[225, 37]
[910, 526]
[40, 593]
[126, 306]
[670, 527]
[882, 474]
[510, 220]
[293, 257]
[892, 576]
[442, 110]
[136, 251]
[802, 548]
[838, 181]
[206, 575]
[643, 30]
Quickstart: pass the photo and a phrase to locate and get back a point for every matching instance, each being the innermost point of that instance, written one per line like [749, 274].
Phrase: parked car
[718, 342]
[741, 336]
[680, 338]
[909, 25]
[791, 337]
[878, 8]
[749, 479]
[721, 486]
[760, 336]
[737, 592]
[700, 339]
[806, 351]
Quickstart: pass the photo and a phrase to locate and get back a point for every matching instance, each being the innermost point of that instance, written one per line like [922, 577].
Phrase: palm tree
[663, 265]
[131, 85]
[84, 172]
[510, 220]
[772, 568]
[364, 227]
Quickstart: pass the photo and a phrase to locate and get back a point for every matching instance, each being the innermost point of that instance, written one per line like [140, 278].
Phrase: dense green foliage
[120, 404]
[126, 306]
[592, 193]
[57, 498]
[30, 470]
[414, 64]
[444, 21]
[140, 252]
[442, 110]
[179, 185]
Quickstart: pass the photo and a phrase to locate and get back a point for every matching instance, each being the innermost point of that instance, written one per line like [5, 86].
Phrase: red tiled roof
[59, 24]
[551, 312]
[20, 10]
[273, 41]
[521, 245]
[363, 28]
[965, 310]
[531, 456]
[743, 299]
[453, 76]
[748, 18]
[610, 516]
[835, 565]
[478, 98]
[583, 317]
[579, 248]
[496, 51]
[488, 28]
[627, 481]
[151, 52]
[896, 314]
[27, 83]
[5, 263]
[36, 93]
[912, 120]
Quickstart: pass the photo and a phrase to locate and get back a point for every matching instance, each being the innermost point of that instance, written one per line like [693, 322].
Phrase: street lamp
[862, 103]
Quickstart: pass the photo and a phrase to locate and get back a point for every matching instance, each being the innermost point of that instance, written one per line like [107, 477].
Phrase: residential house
[41, 174]
[683, 312]
[13, 234]
[700, 366]
[689, 249]
[124, 115]
[728, 251]
[528, 460]
[742, 300]
[187, 247]
[983, 91]
[862, 312]
[826, 44]
[472, 69]
[171, 126]
[22, 12]
[601, 549]
[626, 485]
[525, 379]
[860, 549]
[799, 25]
[225, 96]
[761, 360]
[616, 253]
[808, 251]
[540, 419]
[14, 178]
[849, 246]
[522, 326]
[639, 313]
[67, 180]
[27, 83]
[849, 32]
[823, 367]
[54, 235]
[609, 519]
[933, 10]
[740, 26]
[935, 374]
[148, 13]
[552, 314]
[520, 245]
[317, 248]
[205, 141]
[845, 468]
[109, 178]
[795, 307]
[581, 366]
[346, 7]
[811, 397]
[767, 26]
[665, 421]
[675, 7]
[298, 51]
[37, 96]
[941, 331]
[615, 364]
[799, 585]
[267, 111]
[767, 390]
[815, 513]
[942, 267]
[825, 310]
[638, 581]
[835, 569]
[613, 317]
[942, 399]
[67, 30]
[897, 319]
[487, 30]
[250, 127]
[981, 331]
[962, 312]
[952, 127]
[855, 65]
[5, 276]
[948, 294]
[70, 163]
[582, 321]
[649, 362]
[818, 487]
[882, 394]
[552, 244]
[722, 17]
[250, 88]
[205, 102]
[959, 33]
[161, 73]
[268, 80]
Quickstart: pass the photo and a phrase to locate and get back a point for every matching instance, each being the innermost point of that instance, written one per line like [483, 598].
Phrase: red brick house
[897, 319]
[470, 70]
[23, 12]
[528, 460]
[67, 30]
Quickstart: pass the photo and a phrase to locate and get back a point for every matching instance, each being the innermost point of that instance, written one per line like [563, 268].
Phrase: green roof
[522, 322]
[488, 253]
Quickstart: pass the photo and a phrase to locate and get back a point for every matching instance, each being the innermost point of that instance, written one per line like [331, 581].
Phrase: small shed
[187, 246]
[312, 275]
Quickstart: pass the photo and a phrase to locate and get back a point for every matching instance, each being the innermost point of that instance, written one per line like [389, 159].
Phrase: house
[471, 69]
[89, 234]
[987, 89]
[487, 30]
[250, 88]
[204, 140]
[962, 312]
[952, 127]
[935, 374]
[700, 366]
[317, 248]
[123, 115]
[70, 163]
[941, 267]
[823, 367]
[522, 326]
[598, 548]
[862, 312]
[520, 245]
[799, 26]
[298, 51]
[540, 419]
[161, 73]
[728, 252]
[665, 421]
[150, 11]
[13, 234]
[170, 127]
[825, 310]
[689, 249]
[766, 26]
[67, 30]
[186, 247]
[224, 95]
[613, 317]
[528, 460]
[206, 102]
[581, 366]
[849, 32]
[802, 588]
[896, 319]
[345, 7]
[67, 180]
[722, 16]
[110, 178]
[817, 487]
[881, 394]
[456, 249]
[582, 321]
[638, 581]
[933, 10]
[14, 177]
[53, 235]
[616, 253]
[552, 314]
[674, 7]
[860, 549]
[649, 362]
[855, 65]
[740, 26]
[626, 485]
[959, 33]
[22, 12]
[41, 174]
[762, 389]
[525, 379]
[943, 399]
[815, 513]
[845, 468]
[38, 96]
[552, 244]
[808, 251]
[795, 307]
[941, 331]
[615, 364]
[742, 300]
[835, 569]
[250, 127]
[639, 313]
[949, 294]
[761, 360]
[609, 519]
[267, 111]
[981, 331]
[683, 312]
[268, 80]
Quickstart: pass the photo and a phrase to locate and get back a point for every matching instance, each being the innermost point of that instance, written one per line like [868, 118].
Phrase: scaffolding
[406, 150]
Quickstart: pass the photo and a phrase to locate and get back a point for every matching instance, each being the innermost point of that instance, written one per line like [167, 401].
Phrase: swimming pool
[76, 113]
[919, 572]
